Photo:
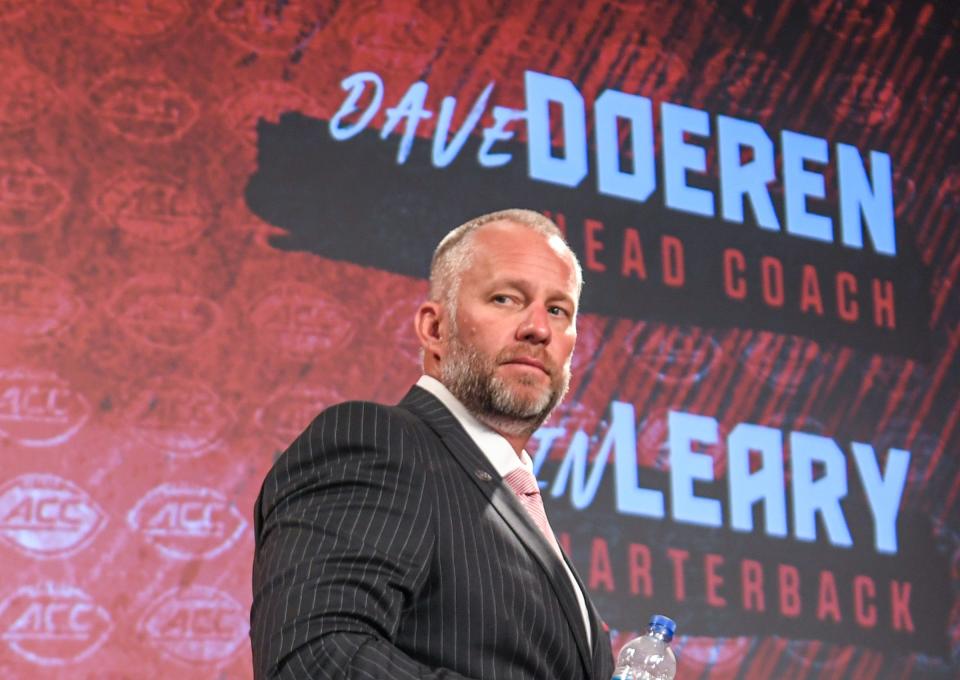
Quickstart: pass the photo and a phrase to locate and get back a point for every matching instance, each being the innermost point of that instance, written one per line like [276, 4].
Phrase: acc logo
[143, 108]
[186, 522]
[138, 19]
[288, 413]
[182, 417]
[33, 301]
[196, 624]
[53, 625]
[163, 313]
[156, 209]
[26, 94]
[29, 198]
[46, 516]
[271, 27]
[299, 320]
[39, 408]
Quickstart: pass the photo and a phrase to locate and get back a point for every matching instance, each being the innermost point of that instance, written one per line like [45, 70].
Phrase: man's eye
[501, 299]
[557, 311]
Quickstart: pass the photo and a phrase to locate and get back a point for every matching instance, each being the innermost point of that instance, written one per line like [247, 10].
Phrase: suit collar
[599, 633]
[479, 469]
[494, 445]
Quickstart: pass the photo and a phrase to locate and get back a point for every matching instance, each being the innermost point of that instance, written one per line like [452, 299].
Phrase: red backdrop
[157, 349]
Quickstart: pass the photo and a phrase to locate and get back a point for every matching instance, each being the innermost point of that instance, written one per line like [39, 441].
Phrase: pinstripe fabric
[388, 547]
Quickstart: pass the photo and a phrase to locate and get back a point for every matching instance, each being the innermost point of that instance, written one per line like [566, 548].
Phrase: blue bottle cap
[664, 625]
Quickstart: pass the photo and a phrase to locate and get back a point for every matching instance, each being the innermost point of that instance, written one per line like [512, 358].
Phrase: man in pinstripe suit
[388, 543]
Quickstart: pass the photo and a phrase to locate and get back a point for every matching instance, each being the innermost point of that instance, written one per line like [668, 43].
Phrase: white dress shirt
[500, 454]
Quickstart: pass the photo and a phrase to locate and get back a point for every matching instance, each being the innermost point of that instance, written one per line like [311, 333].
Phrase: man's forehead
[497, 262]
[491, 230]
[490, 236]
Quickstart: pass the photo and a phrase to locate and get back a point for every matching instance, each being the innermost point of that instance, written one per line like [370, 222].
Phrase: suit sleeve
[343, 542]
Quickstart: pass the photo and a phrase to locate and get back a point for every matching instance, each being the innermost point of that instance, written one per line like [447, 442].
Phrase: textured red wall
[156, 351]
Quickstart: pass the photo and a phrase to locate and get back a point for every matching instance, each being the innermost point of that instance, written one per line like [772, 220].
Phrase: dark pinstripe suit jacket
[388, 547]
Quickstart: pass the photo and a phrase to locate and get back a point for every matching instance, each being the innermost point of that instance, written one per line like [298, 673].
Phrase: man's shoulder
[360, 416]
[350, 445]
[354, 421]
[358, 410]
[366, 423]
[352, 433]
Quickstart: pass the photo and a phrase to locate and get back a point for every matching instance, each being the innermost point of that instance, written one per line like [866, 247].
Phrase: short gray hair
[454, 253]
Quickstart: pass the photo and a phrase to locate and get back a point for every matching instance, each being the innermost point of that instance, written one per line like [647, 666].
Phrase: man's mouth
[528, 361]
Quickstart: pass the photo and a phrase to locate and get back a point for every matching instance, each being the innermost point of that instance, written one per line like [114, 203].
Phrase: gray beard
[472, 380]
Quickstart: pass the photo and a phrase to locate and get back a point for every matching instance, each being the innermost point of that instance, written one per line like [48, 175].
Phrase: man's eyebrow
[496, 282]
[522, 285]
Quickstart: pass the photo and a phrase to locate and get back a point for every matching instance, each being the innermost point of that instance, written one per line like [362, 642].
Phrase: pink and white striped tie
[524, 485]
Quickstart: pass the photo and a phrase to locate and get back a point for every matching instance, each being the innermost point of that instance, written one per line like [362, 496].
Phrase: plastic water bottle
[649, 656]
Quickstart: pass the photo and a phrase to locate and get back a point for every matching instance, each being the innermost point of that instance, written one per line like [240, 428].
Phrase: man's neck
[508, 429]
[515, 432]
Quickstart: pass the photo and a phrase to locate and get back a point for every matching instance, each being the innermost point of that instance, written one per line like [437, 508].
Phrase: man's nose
[535, 326]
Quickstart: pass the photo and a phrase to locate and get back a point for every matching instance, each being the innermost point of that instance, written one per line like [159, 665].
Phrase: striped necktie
[524, 485]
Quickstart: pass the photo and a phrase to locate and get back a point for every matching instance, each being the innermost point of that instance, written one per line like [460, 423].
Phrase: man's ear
[430, 326]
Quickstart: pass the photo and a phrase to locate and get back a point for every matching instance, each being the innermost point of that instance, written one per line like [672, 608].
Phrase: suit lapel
[598, 633]
[479, 469]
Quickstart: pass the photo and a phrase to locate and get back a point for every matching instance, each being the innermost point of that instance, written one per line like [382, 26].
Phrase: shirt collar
[494, 445]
